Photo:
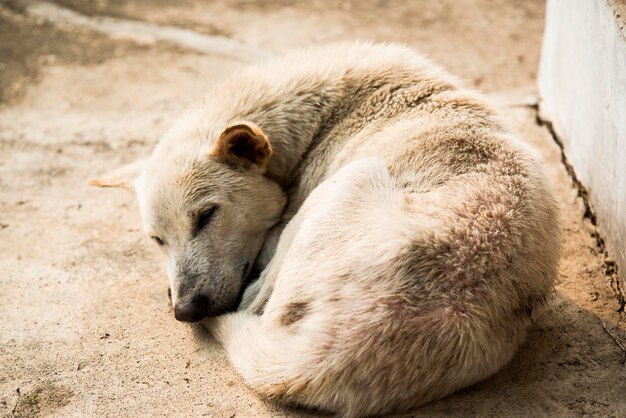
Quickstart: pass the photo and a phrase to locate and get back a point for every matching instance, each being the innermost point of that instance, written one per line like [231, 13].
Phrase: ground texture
[85, 325]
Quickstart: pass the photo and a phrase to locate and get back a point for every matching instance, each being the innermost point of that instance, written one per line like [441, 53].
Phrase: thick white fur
[367, 342]
[418, 235]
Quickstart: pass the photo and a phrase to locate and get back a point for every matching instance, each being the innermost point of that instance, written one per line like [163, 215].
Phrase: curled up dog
[403, 236]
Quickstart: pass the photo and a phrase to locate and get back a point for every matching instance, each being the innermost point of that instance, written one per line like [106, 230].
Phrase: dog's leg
[250, 293]
[274, 236]
[261, 290]
[262, 264]
[269, 245]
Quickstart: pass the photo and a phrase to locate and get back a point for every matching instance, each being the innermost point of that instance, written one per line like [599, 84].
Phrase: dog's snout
[193, 310]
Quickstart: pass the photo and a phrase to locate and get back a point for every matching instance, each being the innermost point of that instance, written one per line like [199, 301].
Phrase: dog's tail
[271, 359]
[291, 365]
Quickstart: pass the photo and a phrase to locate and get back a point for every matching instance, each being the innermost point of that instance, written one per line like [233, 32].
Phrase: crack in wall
[609, 266]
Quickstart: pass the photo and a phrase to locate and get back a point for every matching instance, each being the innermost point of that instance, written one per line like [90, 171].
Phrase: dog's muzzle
[194, 310]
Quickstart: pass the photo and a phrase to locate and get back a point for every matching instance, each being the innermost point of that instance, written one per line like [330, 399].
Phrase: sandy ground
[85, 325]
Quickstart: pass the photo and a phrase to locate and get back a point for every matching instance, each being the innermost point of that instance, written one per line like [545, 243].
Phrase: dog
[405, 238]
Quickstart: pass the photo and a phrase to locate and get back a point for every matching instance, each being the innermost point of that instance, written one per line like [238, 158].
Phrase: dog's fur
[419, 235]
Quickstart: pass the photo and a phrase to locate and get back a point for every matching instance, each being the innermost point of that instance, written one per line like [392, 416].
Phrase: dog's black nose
[192, 311]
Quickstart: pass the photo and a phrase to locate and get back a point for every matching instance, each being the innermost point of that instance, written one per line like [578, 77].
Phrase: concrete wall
[582, 86]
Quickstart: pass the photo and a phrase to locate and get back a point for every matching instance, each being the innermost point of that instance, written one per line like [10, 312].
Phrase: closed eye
[158, 240]
[204, 218]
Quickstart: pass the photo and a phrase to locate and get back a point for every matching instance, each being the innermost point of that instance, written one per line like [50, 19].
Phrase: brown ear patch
[104, 182]
[121, 177]
[243, 143]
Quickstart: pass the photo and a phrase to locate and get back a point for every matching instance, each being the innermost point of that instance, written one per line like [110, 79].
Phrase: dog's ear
[242, 143]
[121, 177]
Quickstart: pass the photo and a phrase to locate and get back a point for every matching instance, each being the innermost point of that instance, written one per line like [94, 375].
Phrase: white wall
[582, 86]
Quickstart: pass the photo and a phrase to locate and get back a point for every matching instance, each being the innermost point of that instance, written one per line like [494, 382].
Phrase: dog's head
[209, 207]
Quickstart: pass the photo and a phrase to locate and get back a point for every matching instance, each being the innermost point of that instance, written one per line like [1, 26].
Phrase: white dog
[404, 237]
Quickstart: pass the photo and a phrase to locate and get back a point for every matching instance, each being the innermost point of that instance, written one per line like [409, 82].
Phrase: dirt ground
[85, 325]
